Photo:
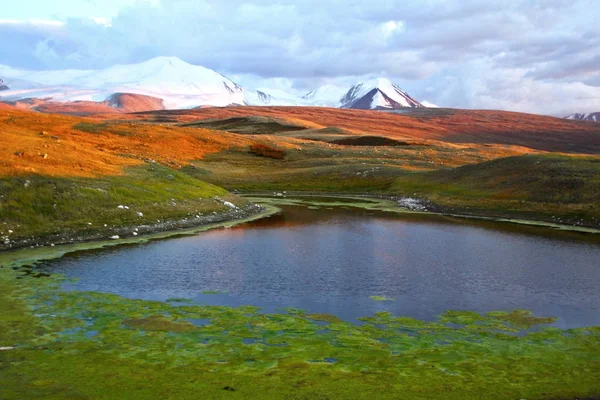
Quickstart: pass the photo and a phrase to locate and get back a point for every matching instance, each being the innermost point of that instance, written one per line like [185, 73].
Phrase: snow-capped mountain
[325, 96]
[179, 84]
[428, 104]
[595, 117]
[270, 97]
[378, 94]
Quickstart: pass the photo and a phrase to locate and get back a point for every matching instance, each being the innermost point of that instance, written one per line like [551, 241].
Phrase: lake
[334, 260]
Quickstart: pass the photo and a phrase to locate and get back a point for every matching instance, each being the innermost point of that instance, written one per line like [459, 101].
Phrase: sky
[522, 55]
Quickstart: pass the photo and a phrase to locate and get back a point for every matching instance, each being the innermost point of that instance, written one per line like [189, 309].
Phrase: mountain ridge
[594, 117]
[378, 94]
[181, 85]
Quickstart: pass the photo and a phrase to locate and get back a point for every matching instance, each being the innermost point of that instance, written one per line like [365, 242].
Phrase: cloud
[464, 53]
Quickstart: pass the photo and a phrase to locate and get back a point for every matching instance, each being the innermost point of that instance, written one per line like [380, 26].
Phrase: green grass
[75, 345]
[314, 168]
[41, 206]
[100, 128]
[548, 187]
[256, 125]
[551, 188]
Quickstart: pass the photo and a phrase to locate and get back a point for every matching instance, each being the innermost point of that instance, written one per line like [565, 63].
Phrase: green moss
[178, 300]
[159, 323]
[96, 345]
[381, 298]
[521, 318]
[212, 292]
[323, 318]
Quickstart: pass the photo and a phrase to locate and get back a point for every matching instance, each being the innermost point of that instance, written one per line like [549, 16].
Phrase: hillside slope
[447, 125]
[66, 179]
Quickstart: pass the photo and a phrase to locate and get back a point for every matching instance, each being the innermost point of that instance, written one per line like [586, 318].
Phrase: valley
[299, 200]
[173, 164]
[296, 251]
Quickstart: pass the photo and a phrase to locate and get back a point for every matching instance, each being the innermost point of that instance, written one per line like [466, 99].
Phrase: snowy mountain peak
[179, 84]
[428, 104]
[378, 94]
[270, 97]
[327, 96]
[164, 60]
[595, 117]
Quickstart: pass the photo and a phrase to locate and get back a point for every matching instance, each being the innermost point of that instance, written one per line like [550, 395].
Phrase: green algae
[521, 318]
[93, 345]
[381, 298]
[323, 318]
[179, 300]
[213, 292]
[159, 323]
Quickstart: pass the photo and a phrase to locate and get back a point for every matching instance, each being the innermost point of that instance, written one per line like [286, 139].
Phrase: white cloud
[514, 54]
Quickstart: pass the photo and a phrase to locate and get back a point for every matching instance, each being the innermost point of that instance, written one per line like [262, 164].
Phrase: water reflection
[332, 261]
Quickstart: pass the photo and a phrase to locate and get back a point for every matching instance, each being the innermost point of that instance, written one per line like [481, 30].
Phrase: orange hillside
[454, 126]
[57, 145]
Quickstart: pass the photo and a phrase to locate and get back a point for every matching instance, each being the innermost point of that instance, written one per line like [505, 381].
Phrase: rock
[7, 348]
[52, 245]
[135, 233]
[27, 183]
[411, 204]
[140, 214]
[89, 223]
[121, 207]
[43, 133]
[115, 237]
[126, 207]
[19, 153]
[44, 156]
[10, 231]
[230, 205]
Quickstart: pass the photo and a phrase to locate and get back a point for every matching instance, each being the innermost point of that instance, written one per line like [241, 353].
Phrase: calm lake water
[333, 260]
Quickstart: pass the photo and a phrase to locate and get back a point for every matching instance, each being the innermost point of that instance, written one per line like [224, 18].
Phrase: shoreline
[430, 209]
[62, 338]
[147, 233]
[190, 226]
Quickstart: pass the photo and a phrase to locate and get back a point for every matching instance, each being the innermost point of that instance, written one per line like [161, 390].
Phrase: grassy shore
[74, 345]
[42, 210]
[66, 179]
[550, 188]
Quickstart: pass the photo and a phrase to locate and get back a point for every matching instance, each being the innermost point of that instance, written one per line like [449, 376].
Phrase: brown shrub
[265, 150]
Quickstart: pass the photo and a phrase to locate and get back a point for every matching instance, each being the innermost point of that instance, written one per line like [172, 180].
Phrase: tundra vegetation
[66, 178]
